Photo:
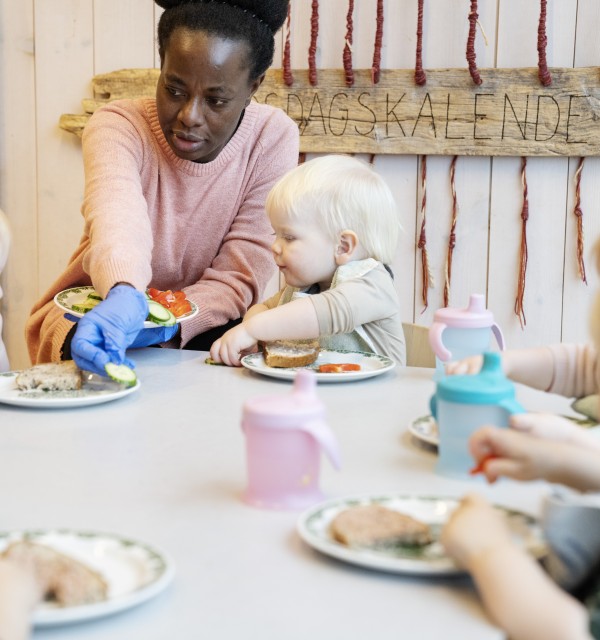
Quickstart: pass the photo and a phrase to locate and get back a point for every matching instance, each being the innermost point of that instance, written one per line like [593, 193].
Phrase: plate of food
[398, 533]
[425, 429]
[165, 307]
[59, 385]
[281, 359]
[92, 574]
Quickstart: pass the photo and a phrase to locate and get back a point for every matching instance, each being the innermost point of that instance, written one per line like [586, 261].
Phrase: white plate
[134, 571]
[425, 429]
[77, 295]
[371, 365]
[95, 390]
[313, 527]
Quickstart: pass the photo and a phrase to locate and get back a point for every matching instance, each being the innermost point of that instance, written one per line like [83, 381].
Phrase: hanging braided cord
[347, 57]
[372, 159]
[427, 278]
[579, 214]
[523, 254]
[288, 77]
[543, 73]
[376, 68]
[471, 57]
[302, 157]
[420, 76]
[452, 237]
[312, 49]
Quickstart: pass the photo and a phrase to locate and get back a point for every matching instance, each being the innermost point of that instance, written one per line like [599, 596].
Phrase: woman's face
[202, 90]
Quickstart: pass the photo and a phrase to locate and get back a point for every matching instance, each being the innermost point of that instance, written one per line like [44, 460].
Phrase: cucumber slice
[85, 306]
[94, 296]
[121, 373]
[159, 314]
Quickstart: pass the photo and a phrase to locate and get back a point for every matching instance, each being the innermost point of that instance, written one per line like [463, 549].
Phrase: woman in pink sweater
[175, 189]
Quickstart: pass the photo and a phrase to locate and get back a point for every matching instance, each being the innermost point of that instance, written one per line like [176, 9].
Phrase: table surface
[166, 465]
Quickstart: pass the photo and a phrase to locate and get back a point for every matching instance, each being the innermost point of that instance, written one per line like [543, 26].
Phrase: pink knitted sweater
[153, 219]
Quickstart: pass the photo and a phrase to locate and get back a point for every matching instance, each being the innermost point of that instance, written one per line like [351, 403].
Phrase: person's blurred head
[4, 239]
[213, 58]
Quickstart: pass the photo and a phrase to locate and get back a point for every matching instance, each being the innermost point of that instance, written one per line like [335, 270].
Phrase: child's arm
[19, 593]
[292, 321]
[254, 309]
[515, 591]
[532, 367]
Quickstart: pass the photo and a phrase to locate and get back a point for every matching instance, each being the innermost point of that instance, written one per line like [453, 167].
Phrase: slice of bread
[51, 376]
[65, 580]
[290, 353]
[376, 526]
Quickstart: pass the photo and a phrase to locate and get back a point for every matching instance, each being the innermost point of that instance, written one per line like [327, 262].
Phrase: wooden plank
[510, 114]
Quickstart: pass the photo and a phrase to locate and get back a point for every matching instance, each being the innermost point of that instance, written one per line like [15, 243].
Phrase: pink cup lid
[475, 316]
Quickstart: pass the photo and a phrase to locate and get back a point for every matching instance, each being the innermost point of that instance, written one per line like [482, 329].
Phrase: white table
[166, 465]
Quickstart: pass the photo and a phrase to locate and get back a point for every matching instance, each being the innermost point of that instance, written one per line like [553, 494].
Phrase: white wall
[50, 49]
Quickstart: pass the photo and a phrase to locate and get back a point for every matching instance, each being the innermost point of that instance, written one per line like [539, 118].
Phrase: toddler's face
[304, 253]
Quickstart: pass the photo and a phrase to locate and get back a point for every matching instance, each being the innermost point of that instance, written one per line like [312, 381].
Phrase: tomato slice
[338, 368]
[480, 466]
[175, 301]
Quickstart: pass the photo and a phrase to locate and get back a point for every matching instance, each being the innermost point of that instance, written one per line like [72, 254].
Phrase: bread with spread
[290, 353]
[376, 526]
[50, 376]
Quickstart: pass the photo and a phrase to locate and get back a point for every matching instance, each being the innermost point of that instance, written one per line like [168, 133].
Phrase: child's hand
[516, 455]
[231, 345]
[553, 427]
[475, 528]
[467, 366]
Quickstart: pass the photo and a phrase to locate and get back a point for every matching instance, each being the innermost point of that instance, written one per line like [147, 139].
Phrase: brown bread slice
[290, 353]
[377, 526]
[51, 376]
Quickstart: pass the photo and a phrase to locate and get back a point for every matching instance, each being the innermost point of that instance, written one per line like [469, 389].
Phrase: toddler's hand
[231, 345]
[473, 529]
[467, 366]
[553, 427]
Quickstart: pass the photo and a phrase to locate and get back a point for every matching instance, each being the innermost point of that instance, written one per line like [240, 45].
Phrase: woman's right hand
[109, 329]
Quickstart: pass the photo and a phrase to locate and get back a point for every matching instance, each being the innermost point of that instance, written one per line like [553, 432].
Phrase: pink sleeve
[576, 370]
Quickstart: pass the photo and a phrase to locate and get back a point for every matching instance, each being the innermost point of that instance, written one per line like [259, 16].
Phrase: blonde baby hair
[341, 192]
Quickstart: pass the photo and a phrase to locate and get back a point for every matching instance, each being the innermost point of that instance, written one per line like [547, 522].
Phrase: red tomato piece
[338, 368]
[480, 466]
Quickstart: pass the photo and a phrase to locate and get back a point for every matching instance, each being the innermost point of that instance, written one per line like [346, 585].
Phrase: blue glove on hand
[105, 332]
[147, 337]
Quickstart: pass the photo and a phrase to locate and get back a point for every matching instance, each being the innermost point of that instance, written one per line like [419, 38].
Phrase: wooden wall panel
[18, 175]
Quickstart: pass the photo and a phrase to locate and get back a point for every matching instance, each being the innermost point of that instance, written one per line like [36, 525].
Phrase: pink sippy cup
[459, 333]
[284, 438]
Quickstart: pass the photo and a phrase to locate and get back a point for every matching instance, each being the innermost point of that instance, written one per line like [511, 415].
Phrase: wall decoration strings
[452, 112]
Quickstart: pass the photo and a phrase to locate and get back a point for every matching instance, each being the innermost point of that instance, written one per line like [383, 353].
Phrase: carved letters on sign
[509, 114]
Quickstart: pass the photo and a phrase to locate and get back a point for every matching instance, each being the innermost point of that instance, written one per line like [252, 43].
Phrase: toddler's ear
[346, 247]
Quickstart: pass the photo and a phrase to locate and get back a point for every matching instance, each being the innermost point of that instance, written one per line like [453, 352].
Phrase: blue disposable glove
[147, 337]
[105, 332]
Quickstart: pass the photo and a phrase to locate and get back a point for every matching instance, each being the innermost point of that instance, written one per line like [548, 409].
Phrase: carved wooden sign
[509, 114]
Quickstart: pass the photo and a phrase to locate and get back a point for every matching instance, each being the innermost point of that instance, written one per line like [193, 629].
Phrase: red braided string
[420, 77]
[312, 49]
[288, 77]
[372, 159]
[376, 68]
[523, 255]
[452, 238]
[302, 157]
[349, 73]
[543, 73]
[473, 17]
[579, 213]
[422, 244]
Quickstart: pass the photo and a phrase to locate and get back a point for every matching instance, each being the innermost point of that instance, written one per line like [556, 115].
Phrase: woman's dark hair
[252, 21]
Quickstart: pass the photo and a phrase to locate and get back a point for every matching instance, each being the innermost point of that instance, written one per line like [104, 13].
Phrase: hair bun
[272, 12]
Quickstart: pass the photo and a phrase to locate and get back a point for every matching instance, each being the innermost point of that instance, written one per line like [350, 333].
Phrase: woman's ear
[346, 247]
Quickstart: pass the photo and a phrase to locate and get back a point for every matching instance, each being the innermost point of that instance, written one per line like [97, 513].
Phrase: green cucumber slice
[94, 296]
[84, 307]
[121, 373]
[159, 314]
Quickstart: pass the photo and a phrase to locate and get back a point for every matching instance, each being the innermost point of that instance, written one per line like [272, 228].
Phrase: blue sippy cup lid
[489, 386]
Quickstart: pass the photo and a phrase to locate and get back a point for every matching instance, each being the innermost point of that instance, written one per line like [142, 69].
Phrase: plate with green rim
[79, 295]
[431, 559]
[133, 571]
[371, 365]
